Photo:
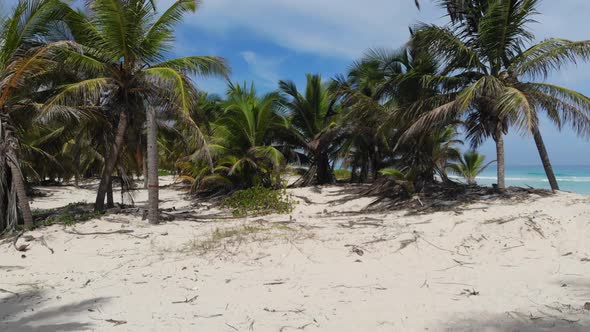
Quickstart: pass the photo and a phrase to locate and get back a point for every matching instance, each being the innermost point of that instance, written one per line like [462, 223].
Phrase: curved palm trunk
[17, 178]
[499, 139]
[111, 162]
[545, 159]
[152, 165]
[21, 191]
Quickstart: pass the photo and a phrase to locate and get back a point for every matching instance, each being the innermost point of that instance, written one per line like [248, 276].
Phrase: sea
[570, 178]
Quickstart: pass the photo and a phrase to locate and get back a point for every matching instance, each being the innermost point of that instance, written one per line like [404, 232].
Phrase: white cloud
[346, 28]
[342, 28]
[264, 68]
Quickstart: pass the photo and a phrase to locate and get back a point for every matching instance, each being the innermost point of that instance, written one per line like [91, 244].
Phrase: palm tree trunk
[110, 200]
[324, 175]
[145, 171]
[21, 191]
[17, 178]
[499, 138]
[111, 162]
[152, 156]
[545, 159]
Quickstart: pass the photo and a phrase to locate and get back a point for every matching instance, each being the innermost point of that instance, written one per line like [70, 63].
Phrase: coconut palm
[484, 75]
[26, 54]
[469, 166]
[313, 127]
[241, 144]
[124, 47]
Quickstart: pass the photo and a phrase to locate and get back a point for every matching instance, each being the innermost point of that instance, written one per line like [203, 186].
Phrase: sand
[496, 265]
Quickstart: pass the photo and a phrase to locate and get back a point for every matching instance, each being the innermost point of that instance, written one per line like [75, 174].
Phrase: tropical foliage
[93, 93]
[469, 166]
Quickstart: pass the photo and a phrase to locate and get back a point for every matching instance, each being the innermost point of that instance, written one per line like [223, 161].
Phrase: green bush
[342, 174]
[164, 172]
[258, 201]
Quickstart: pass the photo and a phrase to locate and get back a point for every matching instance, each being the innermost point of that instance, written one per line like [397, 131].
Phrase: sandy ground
[490, 266]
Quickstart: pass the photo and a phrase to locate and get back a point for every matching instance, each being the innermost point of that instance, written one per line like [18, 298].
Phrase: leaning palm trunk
[110, 163]
[545, 159]
[499, 139]
[10, 148]
[152, 161]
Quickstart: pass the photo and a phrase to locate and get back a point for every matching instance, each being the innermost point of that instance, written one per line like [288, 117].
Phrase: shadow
[513, 321]
[18, 313]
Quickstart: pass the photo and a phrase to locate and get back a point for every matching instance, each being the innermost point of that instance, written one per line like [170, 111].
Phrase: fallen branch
[120, 231]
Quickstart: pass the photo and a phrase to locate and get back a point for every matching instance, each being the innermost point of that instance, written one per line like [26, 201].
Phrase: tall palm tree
[26, 54]
[312, 126]
[124, 48]
[486, 61]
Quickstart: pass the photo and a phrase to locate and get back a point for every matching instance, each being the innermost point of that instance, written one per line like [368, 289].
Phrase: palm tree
[312, 126]
[469, 166]
[123, 54]
[242, 144]
[26, 54]
[483, 74]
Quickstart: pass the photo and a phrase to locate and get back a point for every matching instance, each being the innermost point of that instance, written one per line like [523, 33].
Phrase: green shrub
[342, 174]
[164, 172]
[257, 201]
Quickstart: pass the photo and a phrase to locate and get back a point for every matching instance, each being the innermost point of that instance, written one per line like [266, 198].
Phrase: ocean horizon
[574, 178]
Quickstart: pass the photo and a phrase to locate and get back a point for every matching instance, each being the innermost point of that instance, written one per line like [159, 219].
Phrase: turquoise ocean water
[570, 178]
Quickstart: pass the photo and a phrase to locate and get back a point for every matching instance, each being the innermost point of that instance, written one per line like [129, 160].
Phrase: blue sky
[268, 40]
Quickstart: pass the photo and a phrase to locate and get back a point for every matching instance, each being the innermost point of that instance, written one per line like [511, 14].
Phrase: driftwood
[22, 247]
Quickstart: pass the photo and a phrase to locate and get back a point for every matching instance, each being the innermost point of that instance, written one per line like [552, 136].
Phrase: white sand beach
[497, 265]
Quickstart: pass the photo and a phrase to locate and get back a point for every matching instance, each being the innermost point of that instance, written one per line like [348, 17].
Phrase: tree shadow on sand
[18, 313]
[512, 321]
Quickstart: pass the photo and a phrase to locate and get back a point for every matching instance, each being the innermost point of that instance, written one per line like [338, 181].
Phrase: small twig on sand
[295, 311]
[187, 300]
[210, 316]
[233, 327]
[305, 199]
[116, 322]
[302, 327]
[500, 221]
[518, 246]
[274, 283]
[535, 227]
